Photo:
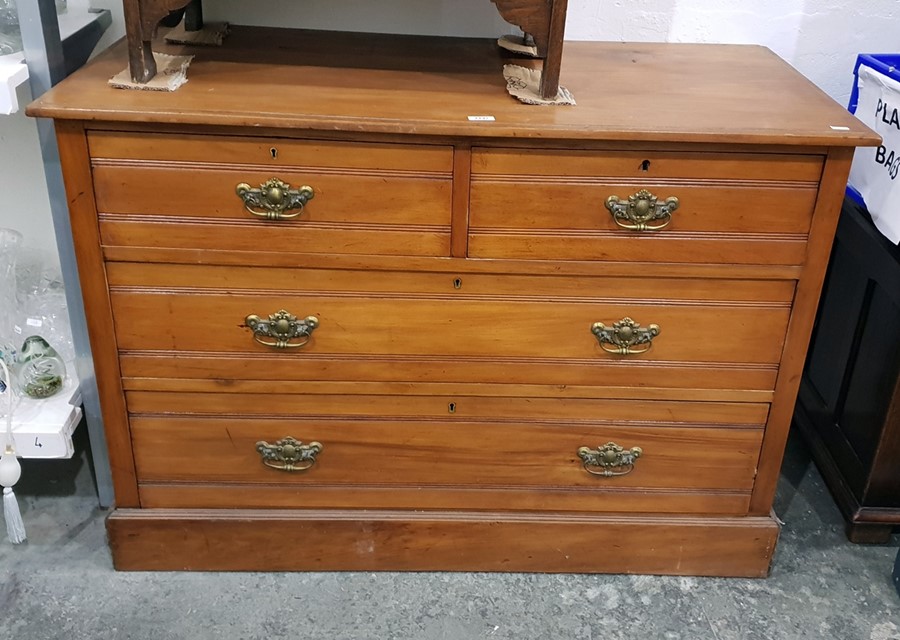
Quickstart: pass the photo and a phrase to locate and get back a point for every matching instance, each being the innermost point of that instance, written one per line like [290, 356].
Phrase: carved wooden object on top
[544, 20]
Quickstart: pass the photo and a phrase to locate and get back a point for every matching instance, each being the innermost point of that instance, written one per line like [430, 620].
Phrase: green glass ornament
[40, 372]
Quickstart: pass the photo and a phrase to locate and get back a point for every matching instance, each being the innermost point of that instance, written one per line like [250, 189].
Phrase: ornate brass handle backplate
[283, 327]
[642, 211]
[609, 460]
[289, 454]
[273, 198]
[625, 337]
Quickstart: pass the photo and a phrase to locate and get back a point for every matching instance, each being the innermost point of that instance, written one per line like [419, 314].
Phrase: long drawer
[415, 405]
[164, 191]
[706, 464]
[726, 208]
[388, 315]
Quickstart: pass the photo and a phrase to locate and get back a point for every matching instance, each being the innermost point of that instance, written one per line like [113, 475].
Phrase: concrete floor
[61, 585]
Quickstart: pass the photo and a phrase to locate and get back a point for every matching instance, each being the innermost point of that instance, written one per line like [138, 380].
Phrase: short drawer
[302, 196]
[441, 460]
[710, 208]
[386, 314]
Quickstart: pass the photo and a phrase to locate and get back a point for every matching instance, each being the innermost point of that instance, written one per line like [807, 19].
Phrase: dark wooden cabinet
[849, 402]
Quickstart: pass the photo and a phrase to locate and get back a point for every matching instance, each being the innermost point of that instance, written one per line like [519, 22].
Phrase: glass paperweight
[40, 372]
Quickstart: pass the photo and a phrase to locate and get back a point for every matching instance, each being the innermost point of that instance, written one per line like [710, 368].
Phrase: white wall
[819, 37]
[24, 204]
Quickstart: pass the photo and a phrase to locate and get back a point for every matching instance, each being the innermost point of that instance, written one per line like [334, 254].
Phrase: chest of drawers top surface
[430, 86]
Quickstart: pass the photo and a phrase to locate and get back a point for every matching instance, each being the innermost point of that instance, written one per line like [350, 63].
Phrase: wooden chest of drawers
[338, 324]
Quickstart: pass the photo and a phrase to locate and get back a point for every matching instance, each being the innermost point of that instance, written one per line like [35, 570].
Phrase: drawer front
[408, 319]
[366, 199]
[416, 405]
[553, 206]
[447, 454]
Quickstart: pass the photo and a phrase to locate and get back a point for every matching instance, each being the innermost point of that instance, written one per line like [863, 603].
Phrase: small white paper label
[34, 322]
[481, 118]
[836, 128]
[17, 329]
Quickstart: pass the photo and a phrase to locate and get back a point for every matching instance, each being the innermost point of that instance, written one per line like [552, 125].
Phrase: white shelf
[43, 428]
[13, 71]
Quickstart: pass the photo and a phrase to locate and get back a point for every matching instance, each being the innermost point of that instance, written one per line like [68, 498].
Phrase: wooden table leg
[193, 16]
[141, 19]
[140, 56]
[553, 59]
[546, 23]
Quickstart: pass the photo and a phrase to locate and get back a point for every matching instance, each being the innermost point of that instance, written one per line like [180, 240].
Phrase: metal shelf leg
[46, 67]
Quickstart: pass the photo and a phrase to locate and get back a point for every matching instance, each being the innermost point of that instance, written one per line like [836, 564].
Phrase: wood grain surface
[447, 326]
[73, 156]
[237, 495]
[538, 377]
[456, 266]
[436, 453]
[350, 82]
[242, 540]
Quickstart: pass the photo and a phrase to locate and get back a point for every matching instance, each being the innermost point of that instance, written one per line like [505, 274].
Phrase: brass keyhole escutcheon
[457, 283]
[645, 165]
[274, 153]
[451, 408]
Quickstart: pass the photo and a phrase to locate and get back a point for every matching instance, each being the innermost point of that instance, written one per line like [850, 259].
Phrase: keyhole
[451, 407]
[457, 283]
[274, 152]
[645, 165]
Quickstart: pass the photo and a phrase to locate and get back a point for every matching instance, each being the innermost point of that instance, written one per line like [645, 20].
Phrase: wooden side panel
[828, 206]
[178, 540]
[73, 155]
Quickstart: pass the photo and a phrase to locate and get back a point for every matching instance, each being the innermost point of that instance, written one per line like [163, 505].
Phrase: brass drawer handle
[274, 198]
[289, 454]
[640, 210]
[284, 327]
[609, 460]
[624, 335]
